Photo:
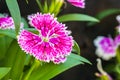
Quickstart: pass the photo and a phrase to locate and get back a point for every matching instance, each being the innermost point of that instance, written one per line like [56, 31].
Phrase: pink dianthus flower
[6, 23]
[53, 42]
[77, 3]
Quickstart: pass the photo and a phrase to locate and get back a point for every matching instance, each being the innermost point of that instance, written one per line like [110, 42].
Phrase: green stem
[35, 64]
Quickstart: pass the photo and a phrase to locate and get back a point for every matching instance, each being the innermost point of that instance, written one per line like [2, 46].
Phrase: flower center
[45, 39]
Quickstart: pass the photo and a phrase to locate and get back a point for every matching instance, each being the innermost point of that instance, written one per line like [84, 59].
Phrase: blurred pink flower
[106, 47]
[6, 23]
[77, 3]
[53, 42]
[117, 40]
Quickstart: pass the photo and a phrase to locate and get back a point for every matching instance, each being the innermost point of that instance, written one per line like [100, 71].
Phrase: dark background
[82, 33]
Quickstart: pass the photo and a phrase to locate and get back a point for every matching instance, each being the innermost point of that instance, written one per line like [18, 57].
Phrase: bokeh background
[81, 31]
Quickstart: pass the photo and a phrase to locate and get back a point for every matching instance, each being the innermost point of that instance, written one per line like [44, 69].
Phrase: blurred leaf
[28, 59]
[18, 66]
[52, 6]
[110, 68]
[8, 32]
[4, 44]
[117, 68]
[76, 17]
[25, 22]
[118, 55]
[2, 47]
[76, 48]
[40, 6]
[15, 13]
[3, 71]
[104, 14]
[15, 59]
[27, 1]
[57, 7]
[45, 6]
[11, 55]
[50, 70]
[8, 41]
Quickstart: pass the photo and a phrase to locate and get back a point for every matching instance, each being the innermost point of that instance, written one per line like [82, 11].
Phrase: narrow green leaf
[25, 22]
[10, 33]
[78, 58]
[76, 48]
[104, 14]
[28, 59]
[15, 13]
[57, 7]
[76, 17]
[2, 47]
[4, 44]
[17, 68]
[11, 55]
[8, 41]
[50, 70]
[52, 6]
[40, 6]
[4, 71]
[15, 59]
[45, 6]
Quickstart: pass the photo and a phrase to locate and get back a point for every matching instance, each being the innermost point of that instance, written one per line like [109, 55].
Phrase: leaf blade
[104, 14]
[76, 48]
[15, 13]
[4, 44]
[9, 33]
[4, 71]
[15, 59]
[50, 70]
[18, 66]
[76, 17]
